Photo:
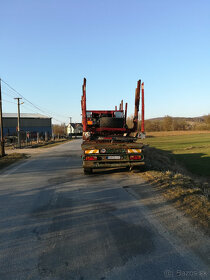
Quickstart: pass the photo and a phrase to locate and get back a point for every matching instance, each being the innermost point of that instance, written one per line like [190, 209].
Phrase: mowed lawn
[192, 150]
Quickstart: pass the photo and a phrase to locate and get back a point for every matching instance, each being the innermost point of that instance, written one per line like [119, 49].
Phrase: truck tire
[88, 171]
[111, 122]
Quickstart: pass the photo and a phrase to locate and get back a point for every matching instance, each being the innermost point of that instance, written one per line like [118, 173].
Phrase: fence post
[46, 136]
[26, 139]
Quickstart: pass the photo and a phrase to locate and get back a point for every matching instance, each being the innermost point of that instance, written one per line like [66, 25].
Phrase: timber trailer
[107, 140]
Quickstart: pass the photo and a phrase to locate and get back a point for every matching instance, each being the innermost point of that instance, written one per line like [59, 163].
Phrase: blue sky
[48, 46]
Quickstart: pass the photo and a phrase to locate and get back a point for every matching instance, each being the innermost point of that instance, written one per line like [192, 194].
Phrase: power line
[56, 114]
[8, 101]
[24, 98]
[25, 106]
[10, 87]
[30, 103]
[8, 94]
[9, 91]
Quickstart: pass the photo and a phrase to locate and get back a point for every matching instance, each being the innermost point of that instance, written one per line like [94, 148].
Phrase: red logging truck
[107, 140]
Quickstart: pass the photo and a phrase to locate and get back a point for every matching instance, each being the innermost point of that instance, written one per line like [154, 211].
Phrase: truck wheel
[88, 171]
[111, 122]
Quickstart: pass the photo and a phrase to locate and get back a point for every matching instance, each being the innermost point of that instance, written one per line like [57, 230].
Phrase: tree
[129, 121]
[207, 120]
[179, 124]
[59, 129]
[167, 123]
[152, 125]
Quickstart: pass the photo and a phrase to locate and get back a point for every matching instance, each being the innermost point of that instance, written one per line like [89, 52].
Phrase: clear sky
[48, 46]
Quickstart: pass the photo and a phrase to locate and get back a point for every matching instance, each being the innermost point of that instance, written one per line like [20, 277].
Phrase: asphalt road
[57, 223]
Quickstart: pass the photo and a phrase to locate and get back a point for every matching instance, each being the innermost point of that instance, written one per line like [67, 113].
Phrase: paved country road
[57, 224]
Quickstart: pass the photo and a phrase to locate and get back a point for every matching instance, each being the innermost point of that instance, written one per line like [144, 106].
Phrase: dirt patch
[11, 158]
[184, 194]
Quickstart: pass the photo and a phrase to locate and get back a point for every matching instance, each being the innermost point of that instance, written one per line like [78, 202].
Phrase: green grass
[192, 151]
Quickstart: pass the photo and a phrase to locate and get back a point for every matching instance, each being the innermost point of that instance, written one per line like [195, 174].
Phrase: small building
[32, 123]
[74, 128]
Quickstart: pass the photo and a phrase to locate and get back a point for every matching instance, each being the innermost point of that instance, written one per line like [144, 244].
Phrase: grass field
[171, 159]
[191, 150]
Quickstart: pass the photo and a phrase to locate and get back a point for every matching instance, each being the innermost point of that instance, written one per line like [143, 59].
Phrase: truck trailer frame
[107, 140]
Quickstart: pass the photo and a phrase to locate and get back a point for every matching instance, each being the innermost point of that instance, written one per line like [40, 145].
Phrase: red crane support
[136, 111]
[126, 109]
[142, 108]
[84, 117]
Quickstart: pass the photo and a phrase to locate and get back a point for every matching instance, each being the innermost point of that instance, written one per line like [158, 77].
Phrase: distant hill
[187, 119]
[169, 123]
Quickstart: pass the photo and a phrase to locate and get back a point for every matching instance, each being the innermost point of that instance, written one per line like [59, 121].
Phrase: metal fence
[26, 139]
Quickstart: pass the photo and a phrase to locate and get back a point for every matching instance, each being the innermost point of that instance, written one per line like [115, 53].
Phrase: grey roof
[25, 115]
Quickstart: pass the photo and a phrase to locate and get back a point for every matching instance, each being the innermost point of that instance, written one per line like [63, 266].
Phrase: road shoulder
[175, 222]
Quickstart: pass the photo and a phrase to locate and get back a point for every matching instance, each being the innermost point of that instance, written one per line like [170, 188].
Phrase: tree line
[169, 123]
[59, 129]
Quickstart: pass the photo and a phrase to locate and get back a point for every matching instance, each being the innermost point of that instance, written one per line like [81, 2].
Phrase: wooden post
[1, 125]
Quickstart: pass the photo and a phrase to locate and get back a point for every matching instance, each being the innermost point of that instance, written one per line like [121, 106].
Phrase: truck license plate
[113, 157]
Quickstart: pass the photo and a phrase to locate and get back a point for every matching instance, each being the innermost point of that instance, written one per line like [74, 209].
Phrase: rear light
[91, 158]
[135, 157]
[133, 151]
[91, 151]
[89, 122]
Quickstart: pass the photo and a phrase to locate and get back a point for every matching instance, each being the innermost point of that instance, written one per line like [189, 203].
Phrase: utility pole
[1, 124]
[64, 129]
[70, 120]
[18, 127]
